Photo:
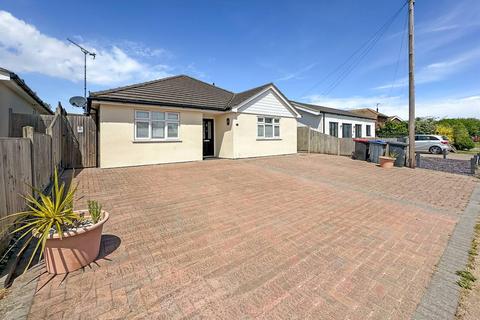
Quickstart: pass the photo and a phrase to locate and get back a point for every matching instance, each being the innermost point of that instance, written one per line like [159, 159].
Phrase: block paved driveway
[290, 237]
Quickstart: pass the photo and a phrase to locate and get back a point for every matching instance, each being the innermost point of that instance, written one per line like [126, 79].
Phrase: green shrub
[462, 140]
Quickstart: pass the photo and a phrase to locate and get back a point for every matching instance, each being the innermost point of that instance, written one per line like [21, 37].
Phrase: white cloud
[439, 70]
[297, 74]
[453, 107]
[23, 48]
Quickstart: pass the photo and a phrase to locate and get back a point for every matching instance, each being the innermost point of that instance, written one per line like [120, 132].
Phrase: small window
[368, 129]
[333, 129]
[156, 125]
[268, 128]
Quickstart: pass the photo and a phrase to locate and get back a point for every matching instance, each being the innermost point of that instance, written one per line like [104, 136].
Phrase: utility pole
[85, 53]
[411, 86]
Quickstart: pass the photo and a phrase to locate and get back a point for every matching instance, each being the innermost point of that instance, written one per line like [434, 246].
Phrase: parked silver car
[431, 143]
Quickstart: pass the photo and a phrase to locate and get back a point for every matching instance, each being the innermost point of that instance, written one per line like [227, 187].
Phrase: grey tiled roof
[176, 91]
[181, 91]
[314, 107]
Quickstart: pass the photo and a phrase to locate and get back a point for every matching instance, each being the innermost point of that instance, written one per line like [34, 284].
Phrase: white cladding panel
[268, 103]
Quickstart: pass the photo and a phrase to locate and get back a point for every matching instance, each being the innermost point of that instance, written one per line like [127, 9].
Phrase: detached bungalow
[335, 122]
[180, 119]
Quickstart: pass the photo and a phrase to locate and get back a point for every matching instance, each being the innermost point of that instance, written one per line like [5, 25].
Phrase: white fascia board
[278, 94]
[315, 113]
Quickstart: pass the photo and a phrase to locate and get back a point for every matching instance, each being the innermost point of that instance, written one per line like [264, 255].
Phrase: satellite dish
[78, 101]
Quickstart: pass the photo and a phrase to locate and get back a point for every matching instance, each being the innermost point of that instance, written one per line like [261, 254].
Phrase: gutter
[15, 78]
[151, 103]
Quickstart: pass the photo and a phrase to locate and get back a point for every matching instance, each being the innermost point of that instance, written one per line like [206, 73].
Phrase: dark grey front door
[208, 138]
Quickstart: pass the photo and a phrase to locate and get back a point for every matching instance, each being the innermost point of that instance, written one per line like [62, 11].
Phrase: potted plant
[66, 238]
[388, 161]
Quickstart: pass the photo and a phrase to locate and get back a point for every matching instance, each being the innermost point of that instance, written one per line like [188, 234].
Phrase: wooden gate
[80, 149]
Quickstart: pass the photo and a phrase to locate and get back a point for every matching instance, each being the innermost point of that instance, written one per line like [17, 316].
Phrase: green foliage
[466, 279]
[472, 125]
[461, 138]
[425, 125]
[393, 129]
[46, 214]
[95, 210]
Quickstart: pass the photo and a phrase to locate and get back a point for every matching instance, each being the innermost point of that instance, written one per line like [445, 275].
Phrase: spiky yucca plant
[47, 212]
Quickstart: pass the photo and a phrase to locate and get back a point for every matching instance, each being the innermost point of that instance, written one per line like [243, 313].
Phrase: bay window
[268, 128]
[156, 125]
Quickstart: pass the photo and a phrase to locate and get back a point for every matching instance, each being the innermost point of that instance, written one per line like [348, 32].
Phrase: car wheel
[435, 150]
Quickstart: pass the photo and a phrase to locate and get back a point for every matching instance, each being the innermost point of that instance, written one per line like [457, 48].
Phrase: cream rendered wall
[9, 99]
[246, 144]
[223, 135]
[118, 149]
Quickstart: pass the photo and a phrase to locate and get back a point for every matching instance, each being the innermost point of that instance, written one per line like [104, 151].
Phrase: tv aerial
[85, 53]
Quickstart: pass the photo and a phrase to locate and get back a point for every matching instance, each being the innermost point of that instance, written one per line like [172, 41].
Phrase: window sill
[269, 139]
[157, 141]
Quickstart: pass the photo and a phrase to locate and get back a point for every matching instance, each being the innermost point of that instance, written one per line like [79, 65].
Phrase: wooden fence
[41, 144]
[309, 140]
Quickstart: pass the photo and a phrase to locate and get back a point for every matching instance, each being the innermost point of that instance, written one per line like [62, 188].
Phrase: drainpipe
[323, 122]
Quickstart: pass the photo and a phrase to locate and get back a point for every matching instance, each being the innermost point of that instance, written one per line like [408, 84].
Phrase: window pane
[260, 119]
[268, 120]
[172, 116]
[158, 129]
[158, 115]
[141, 114]
[260, 130]
[268, 131]
[142, 129]
[277, 131]
[172, 131]
[276, 120]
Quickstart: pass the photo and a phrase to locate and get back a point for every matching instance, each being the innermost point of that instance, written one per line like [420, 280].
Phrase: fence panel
[42, 160]
[15, 178]
[19, 120]
[55, 132]
[81, 149]
[313, 141]
[347, 146]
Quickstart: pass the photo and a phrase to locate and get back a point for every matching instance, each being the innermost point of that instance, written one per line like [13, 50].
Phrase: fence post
[10, 120]
[309, 133]
[28, 132]
[417, 158]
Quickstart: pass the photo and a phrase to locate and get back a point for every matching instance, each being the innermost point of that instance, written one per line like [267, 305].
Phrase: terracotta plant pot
[386, 162]
[76, 249]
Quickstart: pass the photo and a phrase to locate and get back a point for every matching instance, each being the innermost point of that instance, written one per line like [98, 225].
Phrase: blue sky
[243, 44]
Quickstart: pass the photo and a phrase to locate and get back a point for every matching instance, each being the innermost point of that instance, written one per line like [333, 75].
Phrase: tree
[426, 125]
[462, 140]
[445, 130]
[393, 129]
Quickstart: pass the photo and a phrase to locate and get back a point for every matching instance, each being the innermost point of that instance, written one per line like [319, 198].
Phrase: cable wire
[366, 47]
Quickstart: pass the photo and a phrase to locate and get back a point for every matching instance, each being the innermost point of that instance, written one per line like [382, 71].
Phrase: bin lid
[361, 140]
[398, 143]
[377, 142]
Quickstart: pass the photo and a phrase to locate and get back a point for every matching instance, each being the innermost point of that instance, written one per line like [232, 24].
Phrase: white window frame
[149, 120]
[275, 124]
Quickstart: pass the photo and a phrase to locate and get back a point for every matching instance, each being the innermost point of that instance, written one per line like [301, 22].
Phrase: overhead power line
[355, 58]
[394, 81]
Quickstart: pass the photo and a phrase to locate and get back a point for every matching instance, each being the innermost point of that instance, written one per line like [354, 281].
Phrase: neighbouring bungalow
[380, 117]
[335, 122]
[17, 97]
[180, 118]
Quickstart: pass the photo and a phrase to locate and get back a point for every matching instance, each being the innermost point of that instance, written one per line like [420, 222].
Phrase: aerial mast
[85, 53]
